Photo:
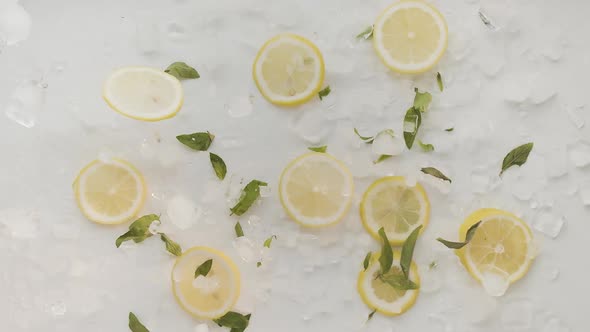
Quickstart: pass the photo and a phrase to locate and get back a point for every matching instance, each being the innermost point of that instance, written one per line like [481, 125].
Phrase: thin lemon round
[393, 205]
[110, 192]
[143, 93]
[410, 36]
[502, 245]
[208, 297]
[288, 70]
[381, 296]
[316, 189]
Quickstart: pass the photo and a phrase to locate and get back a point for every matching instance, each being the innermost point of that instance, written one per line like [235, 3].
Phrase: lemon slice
[381, 296]
[410, 36]
[316, 189]
[288, 70]
[110, 192]
[500, 252]
[143, 93]
[208, 297]
[398, 208]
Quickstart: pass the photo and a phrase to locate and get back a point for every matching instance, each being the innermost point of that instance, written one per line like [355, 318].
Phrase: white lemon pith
[381, 296]
[110, 192]
[410, 36]
[502, 246]
[316, 189]
[289, 70]
[393, 205]
[206, 297]
[143, 93]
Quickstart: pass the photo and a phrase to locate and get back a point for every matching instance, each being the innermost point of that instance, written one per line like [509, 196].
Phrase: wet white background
[527, 81]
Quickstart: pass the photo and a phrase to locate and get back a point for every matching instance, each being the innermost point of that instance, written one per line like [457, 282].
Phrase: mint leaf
[422, 100]
[181, 71]
[324, 92]
[381, 158]
[439, 81]
[371, 314]
[258, 264]
[138, 230]
[436, 173]
[268, 241]
[518, 156]
[371, 139]
[233, 320]
[450, 129]
[412, 122]
[197, 141]
[250, 193]
[425, 146]
[386, 258]
[321, 149]
[238, 229]
[218, 165]
[367, 260]
[398, 281]
[203, 269]
[408, 251]
[171, 246]
[468, 236]
[366, 34]
[135, 325]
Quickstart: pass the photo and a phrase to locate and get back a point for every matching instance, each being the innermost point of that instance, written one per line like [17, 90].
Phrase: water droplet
[548, 223]
[517, 315]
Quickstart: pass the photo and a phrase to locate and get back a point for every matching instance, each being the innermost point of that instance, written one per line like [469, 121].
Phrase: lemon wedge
[288, 70]
[110, 192]
[316, 189]
[210, 296]
[398, 208]
[143, 93]
[410, 36]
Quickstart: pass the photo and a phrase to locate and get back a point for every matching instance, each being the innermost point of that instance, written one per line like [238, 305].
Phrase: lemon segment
[288, 70]
[316, 189]
[502, 246]
[383, 297]
[143, 93]
[110, 192]
[398, 208]
[410, 36]
[208, 297]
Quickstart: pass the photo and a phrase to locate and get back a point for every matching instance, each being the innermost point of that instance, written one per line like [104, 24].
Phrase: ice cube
[579, 154]
[176, 31]
[556, 162]
[516, 89]
[206, 284]
[548, 223]
[555, 325]
[430, 279]
[575, 117]
[240, 107]
[443, 321]
[58, 308]
[21, 224]
[585, 194]
[247, 250]
[311, 126]
[15, 23]
[517, 315]
[25, 103]
[497, 14]
[182, 211]
[495, 283]
[148, 37]
[384, 143]
[542, 90]
[66, 229]
[202, 328]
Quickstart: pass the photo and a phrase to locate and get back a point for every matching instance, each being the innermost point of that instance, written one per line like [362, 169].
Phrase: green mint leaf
[366, 34]
[439, 81]
[381, 158]
[364, 138]
[258, 264]
[432, 265]
[218, 165]
[450, 129]
[250, 193]
[367, 260]
[425, 146]
[197, 141]
[408, 251]
[135, 325]
[138, 230]
[422, 100]
[324, 92]
[371, 314]
[412, 122]
[386, 258]
[203, 269]
[181, 71]
[436, 173]
[171, 246]
[238, 229]
[468, 236]
[517, 156]
[268, 241]
[398, 281]
[321, 149]
[233, 320]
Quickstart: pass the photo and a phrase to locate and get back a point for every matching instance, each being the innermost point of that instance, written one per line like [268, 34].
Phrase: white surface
[62, 273]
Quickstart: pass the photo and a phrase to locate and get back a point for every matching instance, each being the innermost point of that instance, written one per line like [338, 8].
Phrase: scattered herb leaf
[486, 21]
[518, 156]
[197, 141]
[250, 193]
[171, 246]
[238, 229]
[432, 265]
[398, 281]
[386, 258]
[181, 70]
[382, 157]
[439, 81]
[138, 230]
[436, 173]
[412, 122]
[468, 236]
[135, 325]
[203, 269]
[408, 251]
[422, 100]
[367, 260]
[450, 129]
[366, 34]
[371, 139]
[321, 149]
[268, 241]
[233, 320]
[426, 147]
[324, 92]
[371, 314]
[258, 264]
[218, 165]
